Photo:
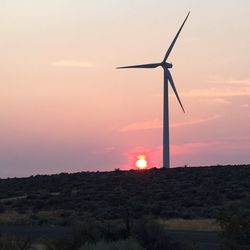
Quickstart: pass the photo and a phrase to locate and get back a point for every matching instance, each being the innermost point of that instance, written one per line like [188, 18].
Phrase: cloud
[109, 149]
[156, 124]
[190, 148]
[215, 101]
[223, 88]
[219, 92]
[231, 81]
[244, 105]
[226, 145]
[194, 122]
[72, 64]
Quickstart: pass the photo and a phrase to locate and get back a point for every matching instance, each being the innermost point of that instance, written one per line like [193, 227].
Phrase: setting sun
[141, 162]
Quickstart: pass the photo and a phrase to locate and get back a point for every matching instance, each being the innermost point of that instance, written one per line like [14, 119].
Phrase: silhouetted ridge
[180, 192]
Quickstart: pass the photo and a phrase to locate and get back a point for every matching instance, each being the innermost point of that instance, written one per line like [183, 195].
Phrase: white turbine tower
[167, 78]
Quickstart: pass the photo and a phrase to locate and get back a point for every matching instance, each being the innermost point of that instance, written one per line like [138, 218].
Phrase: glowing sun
[141, 162]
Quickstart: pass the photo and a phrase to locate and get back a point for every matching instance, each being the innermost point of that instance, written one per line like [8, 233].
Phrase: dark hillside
[180, 192]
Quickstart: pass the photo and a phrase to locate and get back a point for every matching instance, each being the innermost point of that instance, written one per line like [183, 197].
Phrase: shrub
[128, 244]
[151, 235]
[88, 231]
[235, 230]
[14, 243]
[2, 208]
[111, 231]
[55, 245]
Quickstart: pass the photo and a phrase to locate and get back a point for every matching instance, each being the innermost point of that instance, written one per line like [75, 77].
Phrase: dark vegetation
[143, 234]
[176, 193]
[235, 229]
[94, 235]
[115, 210]
[14, 243]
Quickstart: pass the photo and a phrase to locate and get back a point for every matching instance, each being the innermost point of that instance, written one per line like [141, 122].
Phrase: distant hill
[169, 193]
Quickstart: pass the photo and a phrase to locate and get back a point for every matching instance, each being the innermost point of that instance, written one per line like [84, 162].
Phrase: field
[185, 202]
[187, 193]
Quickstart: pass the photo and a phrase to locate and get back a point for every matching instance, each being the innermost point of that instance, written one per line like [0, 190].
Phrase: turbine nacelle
[166, 65]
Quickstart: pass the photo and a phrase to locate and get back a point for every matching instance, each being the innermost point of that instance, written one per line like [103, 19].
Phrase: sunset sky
[65, 108]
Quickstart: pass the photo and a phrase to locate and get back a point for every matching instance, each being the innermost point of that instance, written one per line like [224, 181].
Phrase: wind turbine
[167, 79]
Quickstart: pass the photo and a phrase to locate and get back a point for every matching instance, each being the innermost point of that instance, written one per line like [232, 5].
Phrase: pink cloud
[231, 81]
[215, 101]
[194, 122]
[153, 124]
[156, 124]
[219, 92]
[229, 150]
[225, 151]
[189, 148]
[72, 64]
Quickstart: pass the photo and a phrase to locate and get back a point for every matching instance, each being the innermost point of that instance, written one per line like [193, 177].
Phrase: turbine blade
[142, 66]
[174, 89]
[173, 42]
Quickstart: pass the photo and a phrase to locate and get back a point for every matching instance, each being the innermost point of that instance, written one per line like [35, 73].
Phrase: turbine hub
[167, 65]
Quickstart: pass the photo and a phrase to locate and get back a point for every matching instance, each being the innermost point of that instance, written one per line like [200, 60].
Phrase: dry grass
[13, 198]
[190, 225]
[12, 217]
[38, 246]
[29, 218]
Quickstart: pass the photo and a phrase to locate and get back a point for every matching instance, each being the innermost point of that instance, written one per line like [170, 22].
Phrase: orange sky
[64, 107]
